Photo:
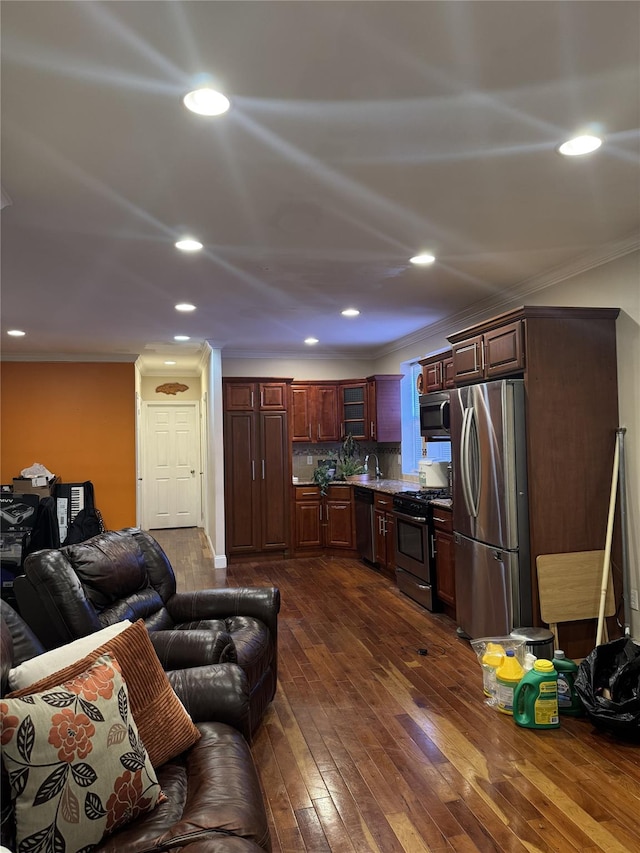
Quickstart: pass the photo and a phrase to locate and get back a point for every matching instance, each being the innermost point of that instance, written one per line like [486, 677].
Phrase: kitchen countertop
[389, 487]
[445, 503]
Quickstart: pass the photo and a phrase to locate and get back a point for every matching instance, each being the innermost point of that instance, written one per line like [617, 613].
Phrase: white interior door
[172, 470]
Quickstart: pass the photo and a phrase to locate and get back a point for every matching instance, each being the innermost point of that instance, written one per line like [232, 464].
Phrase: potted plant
[323, 475]
[348, 464]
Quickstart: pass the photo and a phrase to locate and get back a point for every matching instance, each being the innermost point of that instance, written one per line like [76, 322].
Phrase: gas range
[415, 548]
[416, 503]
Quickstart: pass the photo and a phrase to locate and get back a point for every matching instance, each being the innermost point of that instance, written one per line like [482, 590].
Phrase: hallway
[371, 746]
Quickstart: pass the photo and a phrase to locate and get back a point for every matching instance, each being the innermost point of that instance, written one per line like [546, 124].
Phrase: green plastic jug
[535, 699]
[568, 700]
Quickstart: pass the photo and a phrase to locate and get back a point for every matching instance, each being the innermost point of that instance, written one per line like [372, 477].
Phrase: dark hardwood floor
[371, 746]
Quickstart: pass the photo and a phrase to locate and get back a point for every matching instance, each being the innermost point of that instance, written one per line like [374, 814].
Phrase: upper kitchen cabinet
[257, 461]
[248, 395]
[383, 403]
[353, 402]
[367, 409]
[437, 372]
[492, 353]
[314, 412]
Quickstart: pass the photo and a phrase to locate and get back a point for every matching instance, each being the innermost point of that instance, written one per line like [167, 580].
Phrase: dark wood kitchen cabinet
[248, 395]
[384, 531]
[314, 412]
[257, 459]
[437, 371]
[383, 407]
[307, 518]
[370, 408]
[323, 522]
[339, 519]
[354, 412]
[494, 353]
[444, 559]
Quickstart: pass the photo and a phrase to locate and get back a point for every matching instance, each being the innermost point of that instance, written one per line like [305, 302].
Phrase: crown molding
[514, 295]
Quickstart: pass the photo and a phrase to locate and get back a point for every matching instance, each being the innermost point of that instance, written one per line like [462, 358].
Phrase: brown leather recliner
[203, 812]
[73, 591]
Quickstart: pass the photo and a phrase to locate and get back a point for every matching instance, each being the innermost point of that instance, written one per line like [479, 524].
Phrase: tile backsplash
[306, 457]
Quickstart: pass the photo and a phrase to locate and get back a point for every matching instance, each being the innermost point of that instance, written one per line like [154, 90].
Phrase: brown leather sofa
[214, 802]
[73, 591]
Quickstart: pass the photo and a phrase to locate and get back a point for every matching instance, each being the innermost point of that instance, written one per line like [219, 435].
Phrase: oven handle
[404, 517]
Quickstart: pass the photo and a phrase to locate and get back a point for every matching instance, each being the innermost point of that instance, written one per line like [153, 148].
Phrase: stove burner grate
[425, 494]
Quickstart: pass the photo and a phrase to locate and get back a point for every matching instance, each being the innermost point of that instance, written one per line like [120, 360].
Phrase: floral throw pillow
[77, 767]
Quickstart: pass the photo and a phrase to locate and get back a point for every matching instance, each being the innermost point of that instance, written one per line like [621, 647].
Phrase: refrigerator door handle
[474, 466]
[464, 463]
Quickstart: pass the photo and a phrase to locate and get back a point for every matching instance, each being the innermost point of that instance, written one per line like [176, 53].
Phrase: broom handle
[607, 547]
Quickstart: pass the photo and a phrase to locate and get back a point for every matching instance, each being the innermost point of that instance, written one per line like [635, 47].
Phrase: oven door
[413, 545]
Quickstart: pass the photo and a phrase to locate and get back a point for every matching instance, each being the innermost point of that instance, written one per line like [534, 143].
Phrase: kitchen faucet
[366, 465]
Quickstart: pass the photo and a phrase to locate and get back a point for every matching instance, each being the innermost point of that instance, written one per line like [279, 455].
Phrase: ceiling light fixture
[422, 260]
[311, 341]
[170, 362]
[16, 333]
[350, 312]
[181, 338]
[188, 244]
[185, 306]
[206, 102]
[584, 144]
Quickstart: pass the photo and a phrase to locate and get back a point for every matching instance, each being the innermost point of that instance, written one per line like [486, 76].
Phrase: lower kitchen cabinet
[323, 523]
[384, 529]
[307, 515]
[444, 553]
[339, 519]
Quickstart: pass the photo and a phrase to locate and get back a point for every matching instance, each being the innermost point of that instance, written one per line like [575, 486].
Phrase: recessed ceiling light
[580, 145]
[422, 260]
[350, 312]
[16, 333]
[188, 244]
[185, 306]
[206, 102]
[181, 338]
[311, 341]
[169, 362]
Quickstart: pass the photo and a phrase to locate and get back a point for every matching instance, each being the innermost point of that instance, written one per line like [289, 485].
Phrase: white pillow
[33, 670]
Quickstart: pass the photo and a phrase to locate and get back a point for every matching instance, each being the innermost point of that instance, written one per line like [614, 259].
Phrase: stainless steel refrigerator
[490, 510]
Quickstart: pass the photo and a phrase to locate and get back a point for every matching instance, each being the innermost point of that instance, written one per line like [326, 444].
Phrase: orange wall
[78, 420]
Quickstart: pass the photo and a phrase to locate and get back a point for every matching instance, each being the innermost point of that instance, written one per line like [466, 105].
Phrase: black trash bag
[608, 684]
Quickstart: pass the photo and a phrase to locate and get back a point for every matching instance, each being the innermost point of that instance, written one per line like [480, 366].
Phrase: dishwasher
[363, 499]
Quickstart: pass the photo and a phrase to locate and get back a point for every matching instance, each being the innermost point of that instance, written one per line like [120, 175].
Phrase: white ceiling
[359, 134]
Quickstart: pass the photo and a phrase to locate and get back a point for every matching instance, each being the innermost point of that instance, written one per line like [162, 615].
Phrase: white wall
[297, 368]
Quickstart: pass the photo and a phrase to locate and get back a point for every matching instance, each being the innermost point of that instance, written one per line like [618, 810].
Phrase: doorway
[171, 493]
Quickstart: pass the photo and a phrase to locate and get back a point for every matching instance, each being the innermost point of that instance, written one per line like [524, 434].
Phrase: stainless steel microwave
[434, 416]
